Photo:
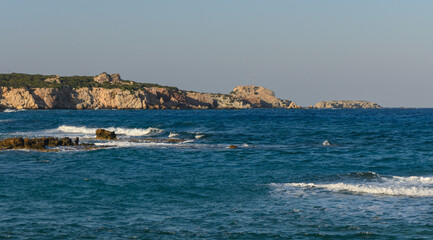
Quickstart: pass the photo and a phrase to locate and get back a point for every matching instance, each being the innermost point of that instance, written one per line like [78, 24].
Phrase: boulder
[103, 134]
[103, 77]
[115, 78]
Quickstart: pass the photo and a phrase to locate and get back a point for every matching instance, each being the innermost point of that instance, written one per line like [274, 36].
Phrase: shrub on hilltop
[22, 80]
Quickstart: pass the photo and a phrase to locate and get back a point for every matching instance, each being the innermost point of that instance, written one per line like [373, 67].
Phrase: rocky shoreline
[53, 144]
[107, 91]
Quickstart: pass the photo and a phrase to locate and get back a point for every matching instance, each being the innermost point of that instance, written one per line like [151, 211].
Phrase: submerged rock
[103, 134]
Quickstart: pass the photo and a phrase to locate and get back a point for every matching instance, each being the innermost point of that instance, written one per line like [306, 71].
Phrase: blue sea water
[374, 181]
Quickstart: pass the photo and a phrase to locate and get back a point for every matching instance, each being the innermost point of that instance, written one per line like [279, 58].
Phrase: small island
[336, 104]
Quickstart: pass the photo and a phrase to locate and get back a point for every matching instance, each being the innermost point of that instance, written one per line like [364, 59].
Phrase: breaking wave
[121, 144]
[173, 135]
[8, 110]
[198, 136]
[122, 131]
[413, 186]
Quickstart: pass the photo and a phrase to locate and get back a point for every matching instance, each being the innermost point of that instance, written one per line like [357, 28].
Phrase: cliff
[346, 104]
[110, 92]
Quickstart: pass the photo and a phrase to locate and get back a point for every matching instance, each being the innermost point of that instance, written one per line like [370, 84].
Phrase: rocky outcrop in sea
[346, 104]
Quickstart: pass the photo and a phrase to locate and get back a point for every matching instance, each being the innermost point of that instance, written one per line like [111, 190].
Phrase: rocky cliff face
[346, 104]
[148, 98]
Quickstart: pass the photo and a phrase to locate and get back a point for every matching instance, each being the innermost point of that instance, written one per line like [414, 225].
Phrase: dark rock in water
[174, 140]
[66, 142]
[105, 134]
[12, 143]
[35, 143]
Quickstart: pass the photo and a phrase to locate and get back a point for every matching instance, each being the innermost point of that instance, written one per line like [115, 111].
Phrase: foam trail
[198, 136]
[413, 186]
[173, 135]
[121, 144]
[412, 180]
[8, 110]
[123, 131]
[369, 189]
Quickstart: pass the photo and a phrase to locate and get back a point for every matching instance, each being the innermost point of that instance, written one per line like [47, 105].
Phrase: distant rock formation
[55, 79]
[346, 104]
[65, 97]
[105, 77]
[261, 97]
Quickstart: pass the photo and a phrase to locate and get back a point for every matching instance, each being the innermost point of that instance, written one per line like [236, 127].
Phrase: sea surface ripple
[373, 180]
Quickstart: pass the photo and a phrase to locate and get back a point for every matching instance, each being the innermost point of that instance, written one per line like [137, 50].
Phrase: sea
[294, 174]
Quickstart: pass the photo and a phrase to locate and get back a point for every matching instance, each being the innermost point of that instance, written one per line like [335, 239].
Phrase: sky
[306, 51]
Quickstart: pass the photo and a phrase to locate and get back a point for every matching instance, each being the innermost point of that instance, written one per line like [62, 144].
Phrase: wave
[122, 131]
[198, 136]
[413, 180]
[122, 144]
[8, 110]
[173, 135]
[413, 186]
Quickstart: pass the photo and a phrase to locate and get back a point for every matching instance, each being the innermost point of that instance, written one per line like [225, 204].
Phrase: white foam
[413, 186]
[124, 131]
[198, 136]
[412, 180]
[173, 135]
[326, 143]
[8, 110]
[122, 144]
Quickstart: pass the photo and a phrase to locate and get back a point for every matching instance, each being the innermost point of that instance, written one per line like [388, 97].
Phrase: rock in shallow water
[103, 134]
[36, 143]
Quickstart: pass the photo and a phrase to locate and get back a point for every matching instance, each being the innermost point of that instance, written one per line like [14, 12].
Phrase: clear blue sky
[306, 51]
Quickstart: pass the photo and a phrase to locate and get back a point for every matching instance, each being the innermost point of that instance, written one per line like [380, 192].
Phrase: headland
[110, 91]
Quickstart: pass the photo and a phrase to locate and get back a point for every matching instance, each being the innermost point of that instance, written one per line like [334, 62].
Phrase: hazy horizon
[305, 51]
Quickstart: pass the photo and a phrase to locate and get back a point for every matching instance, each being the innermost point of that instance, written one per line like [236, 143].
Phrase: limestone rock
[103, 134]
[260, 97]
[242, 97]
[55, 79]
[346, 104]
[115, 78]
[103, 77]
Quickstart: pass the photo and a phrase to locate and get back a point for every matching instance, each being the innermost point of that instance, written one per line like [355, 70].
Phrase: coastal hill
[346, 104]
[105, 91]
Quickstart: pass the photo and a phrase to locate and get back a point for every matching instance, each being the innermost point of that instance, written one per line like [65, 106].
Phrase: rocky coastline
[54, 144]
[106, 91]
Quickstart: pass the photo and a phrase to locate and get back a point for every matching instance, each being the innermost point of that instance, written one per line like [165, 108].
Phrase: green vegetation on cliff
[22, 80]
